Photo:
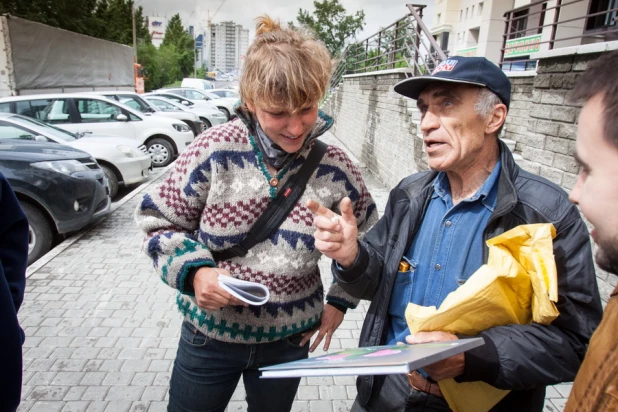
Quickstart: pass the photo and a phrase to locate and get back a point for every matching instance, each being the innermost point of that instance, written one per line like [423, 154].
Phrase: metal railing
[406, 43]
[520, 39]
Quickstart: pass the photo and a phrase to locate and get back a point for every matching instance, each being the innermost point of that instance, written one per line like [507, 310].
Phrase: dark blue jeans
[206, 373]
[396, 395]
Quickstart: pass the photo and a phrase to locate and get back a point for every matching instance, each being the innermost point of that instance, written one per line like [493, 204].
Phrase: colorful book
[373, 360]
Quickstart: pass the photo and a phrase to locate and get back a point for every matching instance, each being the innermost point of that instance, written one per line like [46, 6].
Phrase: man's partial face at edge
[596, 189]
[453, 132]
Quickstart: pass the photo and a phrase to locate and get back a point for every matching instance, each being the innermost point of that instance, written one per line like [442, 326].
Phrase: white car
[225, 104]
[197, 83]
[208, 112]
[122, 160]
[163, 137]
[137, 102]
[228, 93]
[209, 116]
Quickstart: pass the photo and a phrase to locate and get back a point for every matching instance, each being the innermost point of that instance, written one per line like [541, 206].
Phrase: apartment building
[228, 44]
[479, 28]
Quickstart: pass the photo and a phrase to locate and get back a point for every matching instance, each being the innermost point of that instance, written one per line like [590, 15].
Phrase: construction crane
[209, 31]
[209, 19]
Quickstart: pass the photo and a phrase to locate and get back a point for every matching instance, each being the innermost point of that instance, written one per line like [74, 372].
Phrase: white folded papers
[252, 293]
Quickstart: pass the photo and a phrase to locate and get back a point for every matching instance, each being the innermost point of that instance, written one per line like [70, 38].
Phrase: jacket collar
[507, 195]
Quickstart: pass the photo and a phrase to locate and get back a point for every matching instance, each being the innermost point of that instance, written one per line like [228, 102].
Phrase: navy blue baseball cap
[477, 71]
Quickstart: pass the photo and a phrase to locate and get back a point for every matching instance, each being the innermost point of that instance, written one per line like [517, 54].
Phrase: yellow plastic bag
[518, 285]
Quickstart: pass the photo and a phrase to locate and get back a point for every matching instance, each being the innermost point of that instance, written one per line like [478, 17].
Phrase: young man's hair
[287, 69]
[601, 78]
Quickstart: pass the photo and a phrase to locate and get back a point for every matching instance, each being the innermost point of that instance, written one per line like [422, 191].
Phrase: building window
[602, 21]
[460, 15]
[472, 11]
[480, 9]
[466, 13]
[439, 18]
[519, 24]
[444, 41]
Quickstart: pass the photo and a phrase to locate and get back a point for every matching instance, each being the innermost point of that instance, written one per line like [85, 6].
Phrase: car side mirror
[122, 117]
[186, 103]
[40, 138]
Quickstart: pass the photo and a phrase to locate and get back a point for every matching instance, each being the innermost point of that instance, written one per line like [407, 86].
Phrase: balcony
[537, 27]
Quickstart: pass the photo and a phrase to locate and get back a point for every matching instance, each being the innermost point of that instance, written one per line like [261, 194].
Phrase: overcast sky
[378, 13]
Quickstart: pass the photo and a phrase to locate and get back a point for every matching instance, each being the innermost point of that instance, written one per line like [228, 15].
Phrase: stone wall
[375, 124]
[543, 122]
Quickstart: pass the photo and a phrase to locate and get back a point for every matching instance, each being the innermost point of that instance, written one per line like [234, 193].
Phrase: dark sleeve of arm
[521, 357]
[13, 242]
[362, 278]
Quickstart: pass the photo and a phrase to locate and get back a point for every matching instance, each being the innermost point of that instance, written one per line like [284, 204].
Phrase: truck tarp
[48, 57]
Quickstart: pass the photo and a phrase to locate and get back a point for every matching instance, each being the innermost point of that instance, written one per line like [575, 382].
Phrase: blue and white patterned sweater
[216, 190]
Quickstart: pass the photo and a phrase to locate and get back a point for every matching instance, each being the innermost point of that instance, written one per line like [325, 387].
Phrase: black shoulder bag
[279, 208]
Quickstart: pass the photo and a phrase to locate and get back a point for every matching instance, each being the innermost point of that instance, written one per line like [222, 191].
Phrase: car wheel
[40, 239]
[225, 111]
[161, 152]
[112, 181]
[207, 124]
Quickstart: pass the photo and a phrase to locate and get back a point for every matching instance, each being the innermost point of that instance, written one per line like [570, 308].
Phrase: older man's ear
[496, 119]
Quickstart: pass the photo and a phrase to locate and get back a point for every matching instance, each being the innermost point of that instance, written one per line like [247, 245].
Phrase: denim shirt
[446, 251]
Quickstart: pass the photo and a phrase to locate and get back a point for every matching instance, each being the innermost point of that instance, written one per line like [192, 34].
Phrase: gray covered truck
[36, 58]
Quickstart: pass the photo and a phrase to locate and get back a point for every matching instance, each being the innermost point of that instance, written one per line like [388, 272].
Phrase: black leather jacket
[522, 358]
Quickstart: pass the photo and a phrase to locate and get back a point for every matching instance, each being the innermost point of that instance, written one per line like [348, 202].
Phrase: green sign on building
[522, 46]
[469, 52]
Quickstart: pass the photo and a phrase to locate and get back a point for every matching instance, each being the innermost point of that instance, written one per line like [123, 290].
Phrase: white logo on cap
[445, 66]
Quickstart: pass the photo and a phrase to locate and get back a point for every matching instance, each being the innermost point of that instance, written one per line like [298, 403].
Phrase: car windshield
[49, 129]
[135, 103]
[177, 99]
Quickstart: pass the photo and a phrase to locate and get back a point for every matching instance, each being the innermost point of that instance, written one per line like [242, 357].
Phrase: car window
[134, 103]
[197, 95]
[8, 131]
[54, 111]
[5, 107]
[97, 111]
[231, 94]
[49, 129]
[180, 92]
[163, 105]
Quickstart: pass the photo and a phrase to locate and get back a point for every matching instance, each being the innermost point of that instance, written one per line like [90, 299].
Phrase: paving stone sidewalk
[102, 330]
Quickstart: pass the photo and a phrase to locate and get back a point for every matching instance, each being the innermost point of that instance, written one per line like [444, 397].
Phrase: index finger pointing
[320, 209]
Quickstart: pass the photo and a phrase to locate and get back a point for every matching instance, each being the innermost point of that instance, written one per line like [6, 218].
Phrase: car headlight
[181, 127]
[129, 151]
[67, 167]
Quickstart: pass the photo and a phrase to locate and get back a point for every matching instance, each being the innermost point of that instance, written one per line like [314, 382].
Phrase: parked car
[226, 105]
[197, 83]
[163, 137]
[61, 189]
[208, 112]
[228, 93]
[122, 160]
[137, 102]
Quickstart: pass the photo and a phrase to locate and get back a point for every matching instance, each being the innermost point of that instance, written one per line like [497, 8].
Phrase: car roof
[68, 96]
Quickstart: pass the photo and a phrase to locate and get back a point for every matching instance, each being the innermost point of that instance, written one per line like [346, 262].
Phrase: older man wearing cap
[432, 239]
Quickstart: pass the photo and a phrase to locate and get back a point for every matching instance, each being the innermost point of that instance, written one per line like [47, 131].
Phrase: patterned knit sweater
[216, 190]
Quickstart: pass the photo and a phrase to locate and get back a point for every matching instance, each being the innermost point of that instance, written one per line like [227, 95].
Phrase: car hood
[105, 139]
[39, 151]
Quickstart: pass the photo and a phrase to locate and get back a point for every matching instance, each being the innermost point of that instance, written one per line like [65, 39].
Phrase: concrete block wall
[543, 123]
[375, 124]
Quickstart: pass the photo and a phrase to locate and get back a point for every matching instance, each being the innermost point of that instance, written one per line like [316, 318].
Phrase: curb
[64, 245]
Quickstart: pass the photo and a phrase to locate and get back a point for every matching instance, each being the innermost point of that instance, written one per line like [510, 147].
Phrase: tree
[331, 24]
[178, 41]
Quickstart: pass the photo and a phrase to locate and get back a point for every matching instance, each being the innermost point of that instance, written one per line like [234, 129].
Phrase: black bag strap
[277, 211]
